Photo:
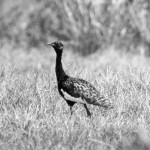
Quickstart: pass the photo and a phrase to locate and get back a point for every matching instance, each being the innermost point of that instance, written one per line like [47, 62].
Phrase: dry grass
[34, 116]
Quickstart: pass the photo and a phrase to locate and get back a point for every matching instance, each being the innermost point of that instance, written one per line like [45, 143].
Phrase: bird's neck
[60, 73]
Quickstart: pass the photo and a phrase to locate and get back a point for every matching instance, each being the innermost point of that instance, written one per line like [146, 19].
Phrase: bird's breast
[69, 97]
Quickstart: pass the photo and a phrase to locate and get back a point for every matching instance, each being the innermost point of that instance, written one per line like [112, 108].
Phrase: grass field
[33, 116]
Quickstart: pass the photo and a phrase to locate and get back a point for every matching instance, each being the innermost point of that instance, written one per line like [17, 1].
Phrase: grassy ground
[34, 116]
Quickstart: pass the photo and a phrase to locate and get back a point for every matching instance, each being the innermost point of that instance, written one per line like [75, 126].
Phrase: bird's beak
[52, 44]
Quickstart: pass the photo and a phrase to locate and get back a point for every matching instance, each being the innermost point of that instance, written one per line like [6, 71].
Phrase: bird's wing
[82, 89]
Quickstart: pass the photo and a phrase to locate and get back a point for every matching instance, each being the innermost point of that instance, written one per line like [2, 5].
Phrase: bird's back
[79, 88]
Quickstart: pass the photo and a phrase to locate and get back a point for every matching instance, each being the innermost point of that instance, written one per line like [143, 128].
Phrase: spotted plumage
[75, 90]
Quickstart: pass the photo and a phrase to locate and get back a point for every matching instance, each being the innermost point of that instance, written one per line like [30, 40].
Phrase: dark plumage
[73, 89]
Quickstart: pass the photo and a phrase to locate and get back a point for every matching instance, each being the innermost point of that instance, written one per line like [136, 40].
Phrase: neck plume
[60, 73]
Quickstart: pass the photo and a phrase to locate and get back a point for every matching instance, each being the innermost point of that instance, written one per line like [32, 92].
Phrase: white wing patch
[71, 98]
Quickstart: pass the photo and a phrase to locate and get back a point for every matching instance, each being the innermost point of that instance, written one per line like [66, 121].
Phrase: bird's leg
[71, 111]
[70, 104]
[87, 110]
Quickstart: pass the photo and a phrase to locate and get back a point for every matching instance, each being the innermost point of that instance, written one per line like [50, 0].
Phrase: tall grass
[34, 116]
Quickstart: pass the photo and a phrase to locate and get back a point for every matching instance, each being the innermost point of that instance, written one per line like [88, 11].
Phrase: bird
[76, 90]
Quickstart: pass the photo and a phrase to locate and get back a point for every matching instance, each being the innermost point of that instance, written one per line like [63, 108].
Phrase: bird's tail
[105, 103]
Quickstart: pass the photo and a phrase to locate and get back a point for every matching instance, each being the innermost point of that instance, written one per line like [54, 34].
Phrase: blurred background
[86, 26]
[107, 42]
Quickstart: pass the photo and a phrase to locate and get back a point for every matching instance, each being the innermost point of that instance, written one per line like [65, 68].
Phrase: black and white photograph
[74, 74]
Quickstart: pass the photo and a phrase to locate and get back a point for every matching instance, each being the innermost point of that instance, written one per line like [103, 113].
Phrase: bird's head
[58, 46]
